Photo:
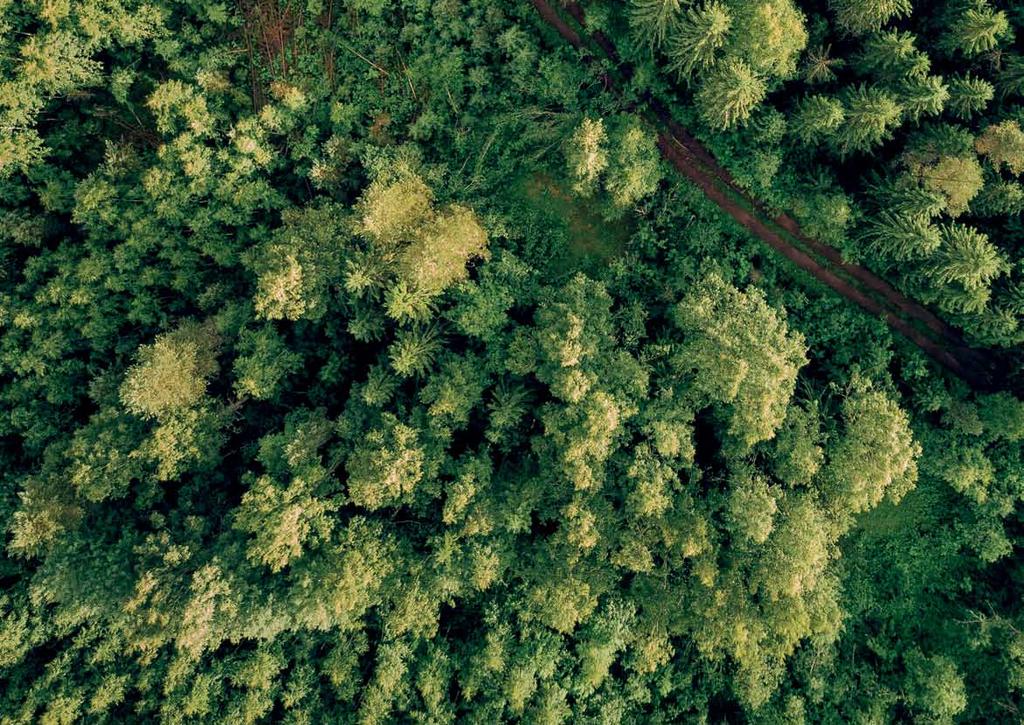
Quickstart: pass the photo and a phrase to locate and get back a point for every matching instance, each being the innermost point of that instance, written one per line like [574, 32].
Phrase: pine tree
[652, 20]
[923, 96]
[968, 95]
[1003, 144]
[728, 94]
[697, 38]
[858, 17]
[819, 65]
[871, 115]
[900, 237]
[977, 29]
[999, 198]
[815, 118]
[1010, 79]
[414, 350]
[767, 35]
[966, 264]
[892, 55]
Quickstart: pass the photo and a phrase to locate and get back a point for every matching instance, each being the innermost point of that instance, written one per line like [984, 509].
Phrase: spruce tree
[858, 17]
[871, 113]
[968, 95]
[652, 20]
[697, 38]
[728, 94]
[815, 118]
[977, 29]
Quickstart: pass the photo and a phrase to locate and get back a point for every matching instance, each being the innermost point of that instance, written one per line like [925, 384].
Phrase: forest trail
[873, 294]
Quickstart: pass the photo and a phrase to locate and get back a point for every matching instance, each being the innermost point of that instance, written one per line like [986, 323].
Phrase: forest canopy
[623, 361]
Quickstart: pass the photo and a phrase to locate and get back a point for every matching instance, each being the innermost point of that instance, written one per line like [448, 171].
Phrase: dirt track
[781, 232]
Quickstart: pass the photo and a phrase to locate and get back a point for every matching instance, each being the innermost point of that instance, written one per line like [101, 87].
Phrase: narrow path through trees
[876, 296]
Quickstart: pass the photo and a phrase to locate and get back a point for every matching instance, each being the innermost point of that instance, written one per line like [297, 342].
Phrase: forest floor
[588, 233]
[861, 286]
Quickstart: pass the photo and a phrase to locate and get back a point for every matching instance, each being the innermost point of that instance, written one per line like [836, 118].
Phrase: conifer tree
[815, 118]
[871, 113]
[892, 55]
[858, 17]
[923, 96]
[1003, 145]
[968, 95]
[728, 94]
[767, 35]
[901, 237]
[964, 268]
[697, 38]
[978, 28]
[652, 20]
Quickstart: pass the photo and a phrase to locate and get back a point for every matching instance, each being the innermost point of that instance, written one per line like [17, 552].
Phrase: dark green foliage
[362, 362]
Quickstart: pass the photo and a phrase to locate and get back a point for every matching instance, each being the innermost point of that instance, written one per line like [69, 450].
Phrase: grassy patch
[589, 237]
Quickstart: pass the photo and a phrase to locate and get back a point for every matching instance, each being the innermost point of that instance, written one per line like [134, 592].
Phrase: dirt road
[781, 232]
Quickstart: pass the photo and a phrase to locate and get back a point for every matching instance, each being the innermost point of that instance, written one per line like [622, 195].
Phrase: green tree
[636, 166]
[871, 114]
[741, 354]
[1003, 145]
[728, 94]
[815, 118]
[171, 374]
[858, 17]
[586, 155]
[653, 19]
[968, 95]
[767, 35]
[976, 29]
[698, 38]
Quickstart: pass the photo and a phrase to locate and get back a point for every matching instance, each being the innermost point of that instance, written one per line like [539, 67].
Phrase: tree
[966, 264]
[934, 687]
[976, 29]
[586, 155]
[728, 94]
[923, 96]
[652, 19]
[900, 237]
[697, 38]
[968, 95]
[815, 118]
[876, 458]
[1003, 144]
[170, 375]
[636, 167]
[264, 362]
[386, 466]
[957, 178]
[437, 255]
[871, 115]
[767, 35]
[892, 56]
[858, 17]
[741, 355]
[298, 267]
